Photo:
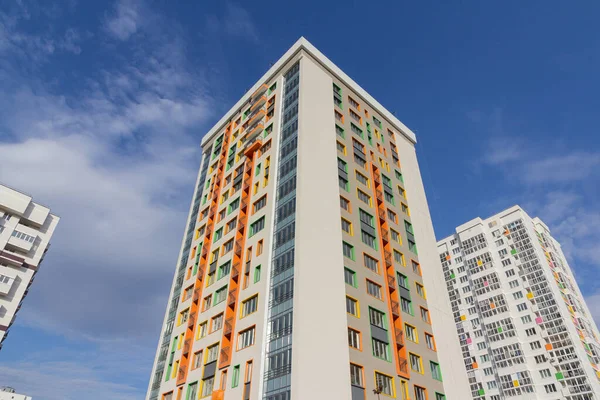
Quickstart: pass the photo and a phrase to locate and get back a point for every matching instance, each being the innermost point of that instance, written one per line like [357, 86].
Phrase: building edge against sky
[25, 231]
[525, 329]
[307, 88]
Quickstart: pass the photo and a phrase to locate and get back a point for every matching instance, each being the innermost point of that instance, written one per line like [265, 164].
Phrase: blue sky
[104, 104]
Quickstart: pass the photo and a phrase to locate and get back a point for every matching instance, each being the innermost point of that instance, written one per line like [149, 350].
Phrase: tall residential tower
[309, 268]
[524, 327]
[25, 231]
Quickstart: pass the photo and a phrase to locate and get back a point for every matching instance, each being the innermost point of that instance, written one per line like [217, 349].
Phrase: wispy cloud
[236, 21]
[124, 20]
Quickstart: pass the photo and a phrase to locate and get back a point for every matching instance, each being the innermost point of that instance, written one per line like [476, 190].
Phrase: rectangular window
[197, 361]
[348, 250]
[235, 379]
[380, 349]
[368, 239]
[212, 352]
[362, 196]
[395, 236]
[345, 204]
[231, 225]
[343, 183]
[411, 333]
[403, 281]
[228, 246]
[218, 234]
[416, 267]
[377, 318]
[202, 330]
[341, 147]
[356, 375]
[347, 226]
[354, 338]
[216, 323]
[384, 383]
[224, 269]
[436, 372]
[234, 205]
[206, 302]
[406, 305]
[257, 226]
[339, 130]
[392, 216]
[207, 386]
[260, 203]
[388, 197]
[220, 295]
[257, 273]
[350, 277]
[425, 315]
[415, 363]
[249, 306]
[420, 290]
[420, 393]
[353, 103]
[371, 263]
[366, 218]
[374, 289]
[352, 306]
[246, 338]
[362, 179]
[355, 116]
[430, 341]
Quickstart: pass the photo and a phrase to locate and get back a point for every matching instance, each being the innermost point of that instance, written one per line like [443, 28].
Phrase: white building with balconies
[25, 231]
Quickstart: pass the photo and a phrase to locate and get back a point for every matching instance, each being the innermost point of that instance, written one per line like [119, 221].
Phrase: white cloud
[236, 21]
[125, 20]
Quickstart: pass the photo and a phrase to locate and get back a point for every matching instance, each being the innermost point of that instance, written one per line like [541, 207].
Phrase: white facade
[523, 325]
[8, 393]
[25, 231]
[281, 143]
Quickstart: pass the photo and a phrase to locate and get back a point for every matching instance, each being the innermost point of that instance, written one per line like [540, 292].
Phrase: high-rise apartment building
[25, 231]
[523, 325]
[309, 268]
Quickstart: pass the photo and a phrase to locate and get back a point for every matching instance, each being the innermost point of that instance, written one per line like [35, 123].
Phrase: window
[197, 361]
[510, 272]
[551, 388]
[392, 216]
[436, 372]
[522, 307]
[416, 267]
[420, 290]
[403, 281]
[235, 379]
[350, 277]
[362, 196]
[409, 228]
[430, 341]
[234, 205]
[368, 239]
[348, 250]
[346, 226]
[341, 147]
[224, 269]
[384, 383]
[222, 215]
[257, 226]
[376, 121]
[513, 284]
[249, 306]
[228, 246]
[481, 345]
[395, 236]
[492, 385]
[352, 306]
[206, 302]
[545, 373]
[411, 333]
[540, 359]
[257, 273]
[526, 319]
[406, 305]
[380, 349]
[366, 218]
[338, 130]
[377, 318]
[345, 204]
[259, 247]
[216, 323]
[362, 179]
[388, 197]
[530, 331]
[354, 338]
[218, 234]
[425, 315]
[212, 353]
[405, 209]
[353, 103]
[356, 375]
[354, 116]
[260, 203]
[374, 289]
[246, 338]
[356, 130]
[371, 263]
[183, 316]
[399, 258]
[220, 295]
[207, 386]
[231, 225]
[202, 330]
[415, 363]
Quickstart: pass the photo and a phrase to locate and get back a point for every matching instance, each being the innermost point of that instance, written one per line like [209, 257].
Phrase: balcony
[255, 143]
[260, 91]
[257, 103]
[6, 284]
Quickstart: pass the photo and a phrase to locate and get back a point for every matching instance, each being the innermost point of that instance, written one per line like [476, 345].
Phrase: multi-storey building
[299, 275]
[8, 393]
[523, 325]
[25, 231]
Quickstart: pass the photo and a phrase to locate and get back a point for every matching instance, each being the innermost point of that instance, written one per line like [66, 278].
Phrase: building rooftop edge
[30, 198]
[303, 44]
